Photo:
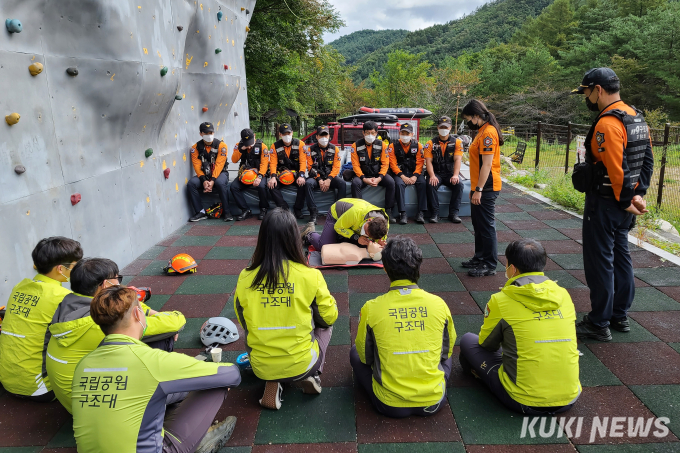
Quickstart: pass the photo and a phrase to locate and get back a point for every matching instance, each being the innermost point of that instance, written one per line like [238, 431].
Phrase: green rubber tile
[637, 333]
[228, 309]
[457, 267]
[151, 253]
[500, 226]
[183, 229]
[328, 417]
[243, 230]
[675, 346]
[20, 449]
[467, 323]
[482, 297]
[482, 419]
[533, 207]
[574, 223]
[670, 447]
[366, 271]
[127, 279]
[663, 400]
[190, 337]
[570, 261]
[155, 268]
[157, 301]
[230, 253]
[436, 283]
[666, 276]
[502, 216]
[234, 450]
[420, 447]
[430, 251]
[208, 284]
[357, 300]
[64, 437]
[406, 229]
[185, 241]
[545, 234]
[341, 331]
[564, 279]
[453, 238]
[651, 299]
[592, 372]
[336, 283]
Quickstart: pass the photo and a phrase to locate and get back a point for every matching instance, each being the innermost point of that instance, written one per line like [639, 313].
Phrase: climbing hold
[13, 25]
[247, 29]
[19, 169]
[166, 173]
[219, 16]
[180, 28]
[235, 113]
[226, 67]
[12, 118]
[75, 199]
[205, 109]
[72, 72]
[164, 70]
[178, 97]
[148, 152]
[243, 9]
[218, 50]
[35, 68]
[247, 11]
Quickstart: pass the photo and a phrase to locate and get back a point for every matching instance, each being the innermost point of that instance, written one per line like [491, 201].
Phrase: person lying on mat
[350, 220]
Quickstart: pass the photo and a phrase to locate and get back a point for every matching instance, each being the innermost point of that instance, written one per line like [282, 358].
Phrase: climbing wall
[100, 102]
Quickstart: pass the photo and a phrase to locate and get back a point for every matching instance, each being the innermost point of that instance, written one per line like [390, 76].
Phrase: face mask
[68, 279]
[287, 139]
[140, 323]
[369, 139]
[405, 139]
[472, 126]
[444, 132]
[506, 273]
[323, 142]
[592, 106]
[208, 138]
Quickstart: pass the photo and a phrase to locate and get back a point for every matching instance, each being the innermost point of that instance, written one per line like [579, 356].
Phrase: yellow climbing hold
[174, 163]
[159, 54]
[139, 8]
[35, 69]
[186, 181]
[141, 164]
[205, 65]
[184, 157]
[188, 62]
[164, 165]
[192, 107]
[28, 212]
[176, 187]
[201, 6]
[114, 75]
[147, 199]
[12, 118]
[233, 42]
[146, 51]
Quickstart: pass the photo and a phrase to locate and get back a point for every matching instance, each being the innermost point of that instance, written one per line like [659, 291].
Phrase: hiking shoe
[622, 325]
[393, 219]
[586, 329]
[217, 435]
[227, 217]
[244, 215]
[198, 217]
[454, 218]
[272, 397]
[263, 212]
[471, 263]
[313, 215]
[298, 213]
[309, 228]
[481, 271]
[311, 385]
[403, 220]
[420, 218]
[434, 218]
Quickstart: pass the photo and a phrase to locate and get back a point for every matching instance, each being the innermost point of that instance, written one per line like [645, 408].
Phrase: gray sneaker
[311, 385]
[309, 228]
[217, 436]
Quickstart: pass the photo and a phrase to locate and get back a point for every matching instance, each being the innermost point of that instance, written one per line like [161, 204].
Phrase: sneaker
[313, 214]
[586, 329]
[198, 217]
[481, 271]
[471, 263]
[420, 218]
[622, 325]
[244, 215]
[403, 220]
[272, 397]
[217, 435]
[434, 218]
[263, 212]
[309, 228]
[227, 217]
[393, 219]
[311, 385]
[298, 213]
[454, 218]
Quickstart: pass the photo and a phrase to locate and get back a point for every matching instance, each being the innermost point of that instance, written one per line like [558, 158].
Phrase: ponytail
[476, 107]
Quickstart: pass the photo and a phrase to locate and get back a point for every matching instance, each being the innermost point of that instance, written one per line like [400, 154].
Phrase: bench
[518, 156]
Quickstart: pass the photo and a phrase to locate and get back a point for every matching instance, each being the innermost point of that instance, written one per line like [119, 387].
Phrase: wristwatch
[478, 189]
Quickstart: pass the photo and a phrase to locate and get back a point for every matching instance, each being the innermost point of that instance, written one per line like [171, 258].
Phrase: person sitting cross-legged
[526, 350]
[405, 338]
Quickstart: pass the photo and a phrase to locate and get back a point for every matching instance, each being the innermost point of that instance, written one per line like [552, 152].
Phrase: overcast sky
[407, 14]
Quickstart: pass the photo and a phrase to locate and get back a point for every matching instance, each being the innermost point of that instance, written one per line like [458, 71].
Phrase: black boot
[454, 218]
[298, 213]
[403, 220]
[244, 215]
[263, 212]
[313, 214]
[420, 218]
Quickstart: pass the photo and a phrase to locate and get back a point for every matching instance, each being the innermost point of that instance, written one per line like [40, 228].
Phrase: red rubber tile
[563, 246]
[24, 423]
[337, 371]
[671, 291]
[664, 324]
[640, 363]
[521, 199]
[445, 228]
[347, 447]
[192, 352]
[572, 233]
[197, 306]
[457, 250]
[208, 230]
[375, 428]
[435, 266]
[222, 267]
[460, 303]
[421, 238]
[160, 284]
[379, 283]
[168, 241]
[353, 328]
[581, 299]
[334, 271]
[248, 222]
[644, 258]
[342, 300]
[606, 401]
[197, 252]
[457, 378]
[507, 236]
[508, 208]
[135, 267]
[491, 283]
[550, 214]
[550, 265]
[242, 402]
[553, 448]
[525, 224]
[237, 241]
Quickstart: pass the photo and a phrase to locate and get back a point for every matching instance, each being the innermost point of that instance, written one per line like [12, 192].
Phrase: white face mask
[444, 132]
[323, 142]
[287, 139]
[208, 138]
[405, 139]
[506, 273]
[369, 138]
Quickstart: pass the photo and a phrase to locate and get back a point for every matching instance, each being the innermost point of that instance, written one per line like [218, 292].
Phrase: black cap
[445, 120]
[408, 127]
[207, 127]
[247, 137]
[322, 130]
[596, 76]
[285, 128]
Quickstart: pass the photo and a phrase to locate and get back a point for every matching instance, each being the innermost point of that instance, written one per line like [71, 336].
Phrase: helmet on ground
[248, 176]
[181, 264]
[217, 331]
[214, 211]
[286, 177]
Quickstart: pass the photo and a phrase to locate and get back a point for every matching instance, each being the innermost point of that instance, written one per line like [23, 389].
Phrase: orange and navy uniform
[220, 161]
[264, 158]
[420, 160]
[458, 150]
[335, 170]
[274, 159]
[486, 143]
[356, 165]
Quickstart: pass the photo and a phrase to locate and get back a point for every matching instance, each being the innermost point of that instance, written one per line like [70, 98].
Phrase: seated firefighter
[350, 220]
[253, 159]
[123, 405]
[285, 309]
[288, 167]
[526, 350]
[73, 334]
[406, 168]
[30, 309]
[405, 339]
[209, 158]
[323, 163]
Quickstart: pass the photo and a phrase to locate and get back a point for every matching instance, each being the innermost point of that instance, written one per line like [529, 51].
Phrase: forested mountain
[357, 44]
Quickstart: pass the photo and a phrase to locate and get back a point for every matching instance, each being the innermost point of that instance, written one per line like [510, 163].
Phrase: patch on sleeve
[488, 141]
[427, 146]
[193, 150]
[487, 310]
[487, 150]
[599, 137]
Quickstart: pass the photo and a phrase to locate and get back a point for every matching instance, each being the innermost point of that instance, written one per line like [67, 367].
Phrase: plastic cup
[216, 354]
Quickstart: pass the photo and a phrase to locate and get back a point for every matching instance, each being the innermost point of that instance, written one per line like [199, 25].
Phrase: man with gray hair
[402, 356]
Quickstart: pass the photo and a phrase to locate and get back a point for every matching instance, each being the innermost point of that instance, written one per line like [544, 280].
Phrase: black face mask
[592, 106]
[472, 126]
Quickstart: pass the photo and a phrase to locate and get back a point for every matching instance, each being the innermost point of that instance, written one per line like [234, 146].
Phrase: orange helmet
[286, 177]
[180, 264]
[248, 176]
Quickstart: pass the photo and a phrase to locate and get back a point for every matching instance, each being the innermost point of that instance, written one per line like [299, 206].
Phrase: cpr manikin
[346, 253]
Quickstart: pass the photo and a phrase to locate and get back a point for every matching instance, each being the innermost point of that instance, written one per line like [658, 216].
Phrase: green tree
[403, 74]
[554, 28]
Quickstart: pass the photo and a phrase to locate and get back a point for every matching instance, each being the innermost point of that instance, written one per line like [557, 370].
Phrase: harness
[291, 162]
[208, 156]
[406, 161]
[370, 166]
[252, 158]
[443, 161]
[322, 163]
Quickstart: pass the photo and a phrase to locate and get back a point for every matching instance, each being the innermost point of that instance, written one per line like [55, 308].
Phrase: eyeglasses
[119, 278]
[66, 265]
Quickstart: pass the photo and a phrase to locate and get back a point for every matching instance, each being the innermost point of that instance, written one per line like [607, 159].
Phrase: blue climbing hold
[13, 25]
[219, 16]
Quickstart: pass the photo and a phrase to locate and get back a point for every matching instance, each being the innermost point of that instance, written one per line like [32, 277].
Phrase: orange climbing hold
[75, 199]
[205, 109]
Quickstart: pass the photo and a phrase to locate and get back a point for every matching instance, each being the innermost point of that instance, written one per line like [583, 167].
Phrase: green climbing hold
[219, 16]
[148, 152]
[218, 50]
[164, 70]
[178, 97]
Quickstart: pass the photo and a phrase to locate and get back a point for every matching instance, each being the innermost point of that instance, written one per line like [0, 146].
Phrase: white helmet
[219, 330]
